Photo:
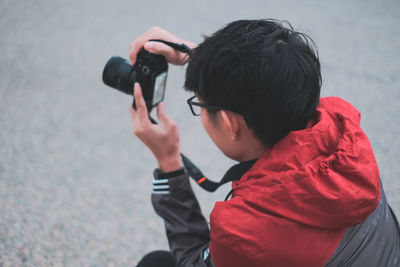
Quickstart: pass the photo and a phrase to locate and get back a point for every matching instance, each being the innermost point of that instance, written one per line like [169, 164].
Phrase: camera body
[150, 71]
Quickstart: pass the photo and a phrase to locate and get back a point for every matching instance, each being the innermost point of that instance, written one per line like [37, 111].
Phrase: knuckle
[173, 126]
[133, 44]
[138, 131]
[142, 104]
[139, 105]
[155, 28]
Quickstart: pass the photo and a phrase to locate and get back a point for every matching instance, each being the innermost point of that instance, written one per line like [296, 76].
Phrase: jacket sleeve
[187, 230]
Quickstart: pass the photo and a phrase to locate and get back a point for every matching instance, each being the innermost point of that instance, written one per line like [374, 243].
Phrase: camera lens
[119, 74]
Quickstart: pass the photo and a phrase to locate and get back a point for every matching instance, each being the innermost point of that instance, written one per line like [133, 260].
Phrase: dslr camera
[150, 71]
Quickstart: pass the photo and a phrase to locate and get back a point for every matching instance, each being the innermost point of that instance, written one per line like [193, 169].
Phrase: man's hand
[172, 56]
[162, 139]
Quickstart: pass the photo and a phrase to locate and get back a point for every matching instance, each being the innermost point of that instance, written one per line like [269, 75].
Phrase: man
[312, 195]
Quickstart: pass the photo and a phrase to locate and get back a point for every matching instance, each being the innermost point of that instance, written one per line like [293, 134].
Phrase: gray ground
[75, 183]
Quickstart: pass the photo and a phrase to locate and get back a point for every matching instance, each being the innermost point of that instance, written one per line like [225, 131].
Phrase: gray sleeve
[187, 230]
[374, 242]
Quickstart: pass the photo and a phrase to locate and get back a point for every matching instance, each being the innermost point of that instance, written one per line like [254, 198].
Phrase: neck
[251, 149]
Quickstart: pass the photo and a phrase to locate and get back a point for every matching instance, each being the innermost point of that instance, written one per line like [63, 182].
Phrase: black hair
[261, 69]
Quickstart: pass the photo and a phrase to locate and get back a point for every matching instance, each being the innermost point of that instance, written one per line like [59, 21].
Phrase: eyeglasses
[195, 106]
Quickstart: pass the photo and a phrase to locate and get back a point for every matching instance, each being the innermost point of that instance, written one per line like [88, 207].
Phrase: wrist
[170, 164]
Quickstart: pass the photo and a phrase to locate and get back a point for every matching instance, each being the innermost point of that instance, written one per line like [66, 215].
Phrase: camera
[150, 71]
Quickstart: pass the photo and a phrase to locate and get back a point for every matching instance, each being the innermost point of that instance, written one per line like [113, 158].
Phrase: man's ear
[231, 122]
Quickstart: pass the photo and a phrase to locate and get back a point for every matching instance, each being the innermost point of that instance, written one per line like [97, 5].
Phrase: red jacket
[294, 205]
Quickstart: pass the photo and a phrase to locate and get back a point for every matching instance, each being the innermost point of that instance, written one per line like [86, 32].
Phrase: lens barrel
[119, 74]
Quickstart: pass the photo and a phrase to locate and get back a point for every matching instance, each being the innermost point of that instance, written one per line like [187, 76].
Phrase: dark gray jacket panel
[373, 243]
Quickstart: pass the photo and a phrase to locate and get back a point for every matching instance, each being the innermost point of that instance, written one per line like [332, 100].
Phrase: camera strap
[179, 47]
[234, 173]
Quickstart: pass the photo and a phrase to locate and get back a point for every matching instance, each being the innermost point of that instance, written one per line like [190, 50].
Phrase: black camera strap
[234, 173]
[179, 47]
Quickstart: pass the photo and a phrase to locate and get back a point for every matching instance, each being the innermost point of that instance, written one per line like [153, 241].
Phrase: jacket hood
[325, 176]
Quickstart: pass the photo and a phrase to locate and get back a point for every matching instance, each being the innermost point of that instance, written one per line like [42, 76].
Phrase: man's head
[262, 70]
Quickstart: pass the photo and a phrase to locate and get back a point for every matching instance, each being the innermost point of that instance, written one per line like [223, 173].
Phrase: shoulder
[237, 233]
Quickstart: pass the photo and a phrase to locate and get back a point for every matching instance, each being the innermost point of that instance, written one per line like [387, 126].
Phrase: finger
[133, 112]
[135, 47]
[158, 48]
[134, 116]
[133, 51]
[141, 108]
[162, 114]
[173, 56]
[138, 127]
[132, 56]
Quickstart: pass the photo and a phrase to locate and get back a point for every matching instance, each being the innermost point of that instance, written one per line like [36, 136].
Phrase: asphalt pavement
[75, 183]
